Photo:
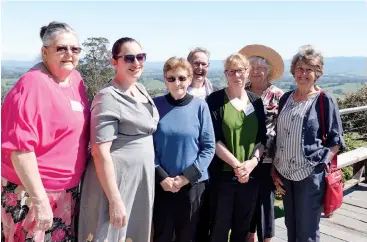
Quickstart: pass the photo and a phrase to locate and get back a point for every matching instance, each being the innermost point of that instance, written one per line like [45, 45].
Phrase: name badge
[76, 106]
[249, 109]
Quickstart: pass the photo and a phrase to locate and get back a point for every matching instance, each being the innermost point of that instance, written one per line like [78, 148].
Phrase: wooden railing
[356, 158]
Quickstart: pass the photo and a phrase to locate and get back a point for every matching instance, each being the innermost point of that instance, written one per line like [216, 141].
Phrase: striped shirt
[289, 159]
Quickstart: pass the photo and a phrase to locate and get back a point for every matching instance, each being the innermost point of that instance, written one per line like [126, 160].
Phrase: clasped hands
[243, 170]
[174, 184]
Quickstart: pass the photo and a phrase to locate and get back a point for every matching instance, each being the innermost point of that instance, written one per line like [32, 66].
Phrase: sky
[173, 28]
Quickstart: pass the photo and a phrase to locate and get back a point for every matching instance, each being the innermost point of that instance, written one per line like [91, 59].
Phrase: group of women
[196, 164]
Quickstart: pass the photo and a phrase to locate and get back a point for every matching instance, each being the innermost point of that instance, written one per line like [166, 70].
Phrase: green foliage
[278, 196]
[95, 67]
[278, 208]
[352, 141]
[355, 122]
[347, 173]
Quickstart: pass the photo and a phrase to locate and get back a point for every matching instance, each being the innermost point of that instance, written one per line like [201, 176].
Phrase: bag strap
[322, 116]
[323, 129]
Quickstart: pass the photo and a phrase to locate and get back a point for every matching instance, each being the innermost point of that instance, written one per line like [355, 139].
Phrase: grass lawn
[153, 84]
[347, 88]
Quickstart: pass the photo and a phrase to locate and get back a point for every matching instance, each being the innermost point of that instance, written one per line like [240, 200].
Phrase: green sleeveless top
[239, 131]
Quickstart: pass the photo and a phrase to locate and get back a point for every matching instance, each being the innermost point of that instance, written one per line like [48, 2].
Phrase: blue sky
[173, 28]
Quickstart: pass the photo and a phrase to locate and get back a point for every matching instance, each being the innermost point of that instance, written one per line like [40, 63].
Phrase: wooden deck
[349, 223]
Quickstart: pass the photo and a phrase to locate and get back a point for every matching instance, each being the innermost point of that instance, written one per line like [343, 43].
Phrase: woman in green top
[239, 124]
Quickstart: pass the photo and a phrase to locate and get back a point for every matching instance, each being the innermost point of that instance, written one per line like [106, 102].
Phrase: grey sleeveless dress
[117, 117]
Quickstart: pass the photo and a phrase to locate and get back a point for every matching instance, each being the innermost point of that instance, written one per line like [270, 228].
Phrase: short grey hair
[308, 55]
[197, 50]
[50, 32]
[262, 62]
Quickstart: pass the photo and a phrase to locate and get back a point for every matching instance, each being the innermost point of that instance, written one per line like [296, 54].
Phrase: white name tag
[76, 106]
[249, 109]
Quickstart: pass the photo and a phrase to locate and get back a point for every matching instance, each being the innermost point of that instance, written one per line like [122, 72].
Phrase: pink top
[53, 121]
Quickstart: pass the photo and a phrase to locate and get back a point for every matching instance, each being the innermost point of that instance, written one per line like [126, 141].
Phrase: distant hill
[355, 65]
[9, 64]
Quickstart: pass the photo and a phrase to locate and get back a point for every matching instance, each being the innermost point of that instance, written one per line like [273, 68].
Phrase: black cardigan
[216, 103]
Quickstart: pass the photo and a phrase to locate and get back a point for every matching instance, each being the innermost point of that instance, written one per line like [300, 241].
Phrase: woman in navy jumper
[184, 147]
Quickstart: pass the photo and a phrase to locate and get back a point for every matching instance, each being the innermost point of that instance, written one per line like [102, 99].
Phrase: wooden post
[359, 171]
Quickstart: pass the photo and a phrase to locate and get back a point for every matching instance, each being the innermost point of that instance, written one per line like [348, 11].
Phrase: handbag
[333, 197]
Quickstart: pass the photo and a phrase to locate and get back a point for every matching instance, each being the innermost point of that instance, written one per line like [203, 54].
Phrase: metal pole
[353, 110]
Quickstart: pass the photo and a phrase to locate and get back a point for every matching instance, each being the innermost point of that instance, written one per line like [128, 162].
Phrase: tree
[95, 67]
[356, 122]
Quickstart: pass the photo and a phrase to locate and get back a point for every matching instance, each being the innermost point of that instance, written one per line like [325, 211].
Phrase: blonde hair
[174, 63]
[308, 55]
[236, 59]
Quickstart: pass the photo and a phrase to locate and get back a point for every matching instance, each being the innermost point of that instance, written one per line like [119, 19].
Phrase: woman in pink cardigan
[44, 143]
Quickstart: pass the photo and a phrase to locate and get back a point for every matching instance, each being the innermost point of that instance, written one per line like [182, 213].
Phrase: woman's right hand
[118, 216]
[277, 181]
[43, 214]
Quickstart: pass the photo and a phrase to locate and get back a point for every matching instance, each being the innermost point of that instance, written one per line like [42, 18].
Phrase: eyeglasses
[62, 49]
[173, 79]
[198, 63]
[233, 72]
[131, 58]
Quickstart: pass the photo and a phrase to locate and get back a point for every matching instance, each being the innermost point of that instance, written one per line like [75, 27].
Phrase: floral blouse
[270, 98]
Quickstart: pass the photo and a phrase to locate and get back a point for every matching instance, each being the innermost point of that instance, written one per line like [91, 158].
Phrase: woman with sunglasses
[43, 150]
[118, 188]
[184, 147]
[239, 125]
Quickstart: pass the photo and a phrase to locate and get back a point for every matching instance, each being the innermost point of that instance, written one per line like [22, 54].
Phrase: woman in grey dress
[118, 188]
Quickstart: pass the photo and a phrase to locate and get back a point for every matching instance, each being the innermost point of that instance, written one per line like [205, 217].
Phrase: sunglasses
[131, 58]
[173, 79]
[62, 49]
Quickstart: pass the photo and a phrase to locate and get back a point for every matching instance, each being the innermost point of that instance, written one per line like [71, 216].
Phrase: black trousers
[263, 219]
[177, 213]
[203, 228]
[233, 205]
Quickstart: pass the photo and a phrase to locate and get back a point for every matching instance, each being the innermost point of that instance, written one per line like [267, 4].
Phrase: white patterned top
[289, 159]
